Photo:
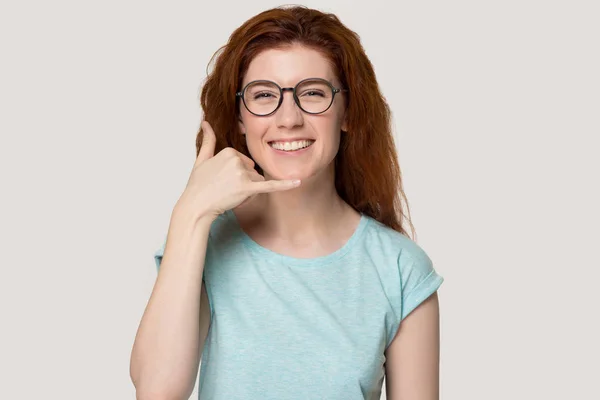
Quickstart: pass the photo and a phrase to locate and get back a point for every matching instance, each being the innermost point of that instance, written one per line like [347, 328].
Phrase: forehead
[289, 65]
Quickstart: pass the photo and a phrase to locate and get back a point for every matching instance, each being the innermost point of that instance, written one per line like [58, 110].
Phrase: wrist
[182, 214]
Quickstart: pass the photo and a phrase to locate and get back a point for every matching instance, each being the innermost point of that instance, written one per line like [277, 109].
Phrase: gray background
[496, 112]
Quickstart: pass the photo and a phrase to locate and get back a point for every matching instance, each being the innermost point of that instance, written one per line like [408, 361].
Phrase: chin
[285, 175]
[315, 172]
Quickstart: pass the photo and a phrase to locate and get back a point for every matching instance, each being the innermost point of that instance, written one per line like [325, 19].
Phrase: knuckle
[229, 151]
[238, 163]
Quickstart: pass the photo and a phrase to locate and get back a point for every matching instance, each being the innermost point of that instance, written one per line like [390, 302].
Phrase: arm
[166, 351]
[412, 359]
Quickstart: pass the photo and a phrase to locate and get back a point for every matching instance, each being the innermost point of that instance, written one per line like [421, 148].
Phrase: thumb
[209, 141]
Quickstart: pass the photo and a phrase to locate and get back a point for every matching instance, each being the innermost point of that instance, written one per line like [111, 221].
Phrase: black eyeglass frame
[334, 91]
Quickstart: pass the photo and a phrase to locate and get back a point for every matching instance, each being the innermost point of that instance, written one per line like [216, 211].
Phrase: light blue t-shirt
[290, 328]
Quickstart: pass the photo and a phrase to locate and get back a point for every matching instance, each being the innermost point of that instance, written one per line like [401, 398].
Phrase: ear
[241, 126]
[344, 126]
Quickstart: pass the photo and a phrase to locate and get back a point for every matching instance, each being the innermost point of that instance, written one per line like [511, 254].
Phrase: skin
[305, 221]
[413, 357]
[312, 220]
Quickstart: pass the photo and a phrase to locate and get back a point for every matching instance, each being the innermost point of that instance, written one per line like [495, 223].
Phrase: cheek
[255, 133]
[332, 128]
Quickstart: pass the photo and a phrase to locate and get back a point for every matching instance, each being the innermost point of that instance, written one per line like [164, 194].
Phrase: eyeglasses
[312, 95]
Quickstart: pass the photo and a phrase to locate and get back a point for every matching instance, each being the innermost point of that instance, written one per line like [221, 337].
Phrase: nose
[289, 115]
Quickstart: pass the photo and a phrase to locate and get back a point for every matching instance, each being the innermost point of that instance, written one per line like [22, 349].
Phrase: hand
[223, 181]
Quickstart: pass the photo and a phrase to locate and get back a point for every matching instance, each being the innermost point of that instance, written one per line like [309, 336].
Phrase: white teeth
[291, 146]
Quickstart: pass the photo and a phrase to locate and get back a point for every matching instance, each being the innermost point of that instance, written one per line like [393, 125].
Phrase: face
[272, 139]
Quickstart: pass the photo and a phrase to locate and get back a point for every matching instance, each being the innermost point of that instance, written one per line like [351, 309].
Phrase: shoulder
[407, 271]
[222, 228]
[383, 239]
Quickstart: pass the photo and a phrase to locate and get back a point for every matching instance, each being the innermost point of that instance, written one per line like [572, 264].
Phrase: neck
[311, 211]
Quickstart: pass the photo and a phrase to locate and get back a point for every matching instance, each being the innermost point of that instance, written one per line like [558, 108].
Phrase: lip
[290, 140]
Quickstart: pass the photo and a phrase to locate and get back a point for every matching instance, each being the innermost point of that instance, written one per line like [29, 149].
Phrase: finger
[248, 162]
[273, 186]
[209, 140]
[255, 176]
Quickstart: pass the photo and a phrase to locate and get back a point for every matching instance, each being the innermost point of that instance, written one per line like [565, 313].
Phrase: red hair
[367, 171]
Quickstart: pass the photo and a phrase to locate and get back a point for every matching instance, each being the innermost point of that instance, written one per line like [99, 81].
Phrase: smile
[291, 146]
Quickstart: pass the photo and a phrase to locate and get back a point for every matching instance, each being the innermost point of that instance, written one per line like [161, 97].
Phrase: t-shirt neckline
[300, 262]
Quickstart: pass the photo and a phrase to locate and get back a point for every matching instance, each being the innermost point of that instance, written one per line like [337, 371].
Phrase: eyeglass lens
[262, 98]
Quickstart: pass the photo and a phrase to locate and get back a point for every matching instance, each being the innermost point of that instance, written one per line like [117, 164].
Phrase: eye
[263, 95]
[312, 93]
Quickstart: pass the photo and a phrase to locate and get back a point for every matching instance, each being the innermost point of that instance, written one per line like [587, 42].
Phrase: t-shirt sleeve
[158, 254]
[418, 280]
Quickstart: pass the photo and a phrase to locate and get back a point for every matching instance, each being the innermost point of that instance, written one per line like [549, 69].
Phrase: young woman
[287, 267]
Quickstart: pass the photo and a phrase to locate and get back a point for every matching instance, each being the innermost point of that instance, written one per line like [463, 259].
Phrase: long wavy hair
[367, 172]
